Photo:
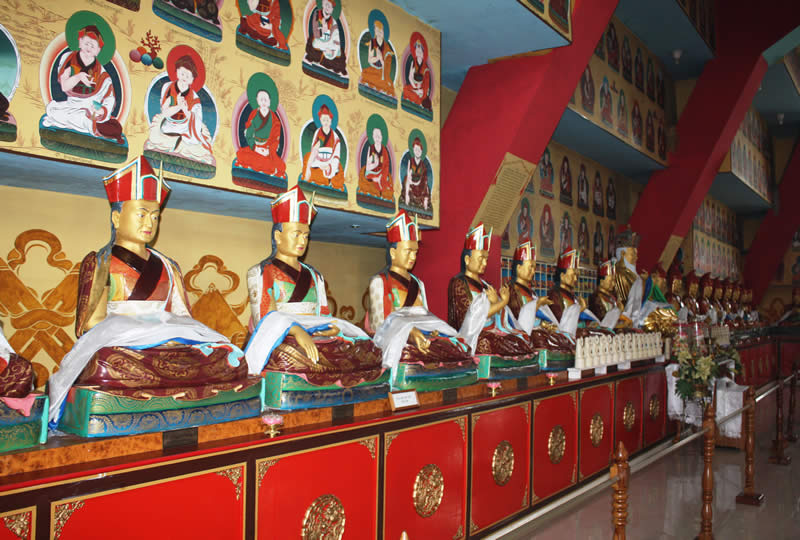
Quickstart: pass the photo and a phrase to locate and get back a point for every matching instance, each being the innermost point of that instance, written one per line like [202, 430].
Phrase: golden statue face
[707, 291]
[717, 294]
[476, 261]
[525, 270]
[607, 282]
[631, 255]
[292, 241]
[570, 277]
[693, 290]
[137, 223]
[405, 254]
[660, 282]
[677, 286]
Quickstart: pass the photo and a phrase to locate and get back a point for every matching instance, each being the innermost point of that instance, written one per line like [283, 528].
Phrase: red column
[509, 106]
[775, 233]
[709, 122]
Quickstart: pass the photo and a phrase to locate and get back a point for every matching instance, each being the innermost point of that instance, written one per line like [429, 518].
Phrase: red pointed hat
[674, 272]
[569, 258]
[691, 277]
[706, 280]
[605, 269]
[401, 228]
[477, 239]
[525, 252]
[292, 207]
[136, 181]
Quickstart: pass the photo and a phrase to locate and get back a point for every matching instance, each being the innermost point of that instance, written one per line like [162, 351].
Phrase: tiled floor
[664, 499]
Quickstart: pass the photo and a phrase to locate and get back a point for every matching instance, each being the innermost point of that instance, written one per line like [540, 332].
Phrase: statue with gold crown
[422, 351]
[137, 340]
[644, 302]
[675, 290]
[482, 316]
[705, 301]
[307, 357]
[717, 290]
[604, 303]
[691, 290]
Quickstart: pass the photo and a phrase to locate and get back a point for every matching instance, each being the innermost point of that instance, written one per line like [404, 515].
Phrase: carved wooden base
[755, 499]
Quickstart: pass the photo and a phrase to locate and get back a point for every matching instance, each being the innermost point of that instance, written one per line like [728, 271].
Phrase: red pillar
[708, 124]
[509, 106]
[775, 232]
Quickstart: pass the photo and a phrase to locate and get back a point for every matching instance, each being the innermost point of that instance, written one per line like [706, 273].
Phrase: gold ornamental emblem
[324, 519]
[654, 407]
[596, 428]
[557, 444]
[629, 416]
[503, 463]
[428, 490]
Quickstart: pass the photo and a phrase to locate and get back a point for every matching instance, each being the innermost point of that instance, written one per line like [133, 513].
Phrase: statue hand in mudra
[331, 331]
[305, 342]
[418, 338]
[543, 301]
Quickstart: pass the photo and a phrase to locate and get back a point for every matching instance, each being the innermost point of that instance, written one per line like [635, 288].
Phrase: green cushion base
[291, 392]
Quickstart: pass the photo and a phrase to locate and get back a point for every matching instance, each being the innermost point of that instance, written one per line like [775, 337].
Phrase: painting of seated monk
[418, 83]
[264, 29]
[183, 117]
[378, 62]
[200, 17]
[261, 137]
[324, 151]
[327, 42]
[376, 168]
[416, 173]
[9, 81]
[86, 91]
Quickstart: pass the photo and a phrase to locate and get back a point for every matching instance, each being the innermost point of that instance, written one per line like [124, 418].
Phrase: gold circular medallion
[557, 444]
[503, 463]
[629, 416]
[654, 407]
[324, 519]
[428, 490]
[596, 428]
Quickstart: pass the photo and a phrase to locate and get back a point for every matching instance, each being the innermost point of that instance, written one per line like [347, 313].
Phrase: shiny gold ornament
[428, 490]
[557, 444]
[629, 416]
[654, 406]
[503, 463]
[324, 519]
[596, 428]
[662, 320]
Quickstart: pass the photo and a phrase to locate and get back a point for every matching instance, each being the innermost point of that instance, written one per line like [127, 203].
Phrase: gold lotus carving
[428, 490]
[324, 519]
[503, 463]
[556, 444]
[654, 407]
[596, 429]
[629, 416]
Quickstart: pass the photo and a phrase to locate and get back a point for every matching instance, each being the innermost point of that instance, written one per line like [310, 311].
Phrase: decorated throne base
[93, 413]
[499, 367]
[20, 431]
[289, 392]
[422, 379]
[555, 360]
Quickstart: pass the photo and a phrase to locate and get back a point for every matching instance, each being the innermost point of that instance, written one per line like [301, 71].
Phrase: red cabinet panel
[425, 481]
[654, 406]
[18, 524]
[321, 491]
[628, 414]
[500, 464]
[555, 444]
[176, 508]
[596, 428]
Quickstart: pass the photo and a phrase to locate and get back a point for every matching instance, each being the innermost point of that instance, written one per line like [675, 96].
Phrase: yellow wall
[81, 224]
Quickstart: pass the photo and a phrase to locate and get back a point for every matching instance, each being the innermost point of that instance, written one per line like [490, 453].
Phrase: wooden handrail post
[619, 501]
[707, 510]
[790, 436]
[779, 444]
[748, 494]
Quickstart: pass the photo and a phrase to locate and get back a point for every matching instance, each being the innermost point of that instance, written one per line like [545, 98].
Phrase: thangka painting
[565, 182]
[583, 189]
[560, 13]
[10, 65]
[324, 151]
[622, 115]
[597, 198]
[524, 222]
[611, 200]
[611, 253]
[378, 61]
[651, 80]
[327, 42]
[650, 132]
[86, 91]
[200, 17]
[627, 60]
[376, 167]
[546, 176]
[598, 244]
[583, 240]
[264, 29]
[417, 177]
[547, 233]
[612, 45]
[606, 104]
[261, 137]
[417, 74]
[636, 123]
[183, 117]
[565, 231]
[638, 70]
[587, 90]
